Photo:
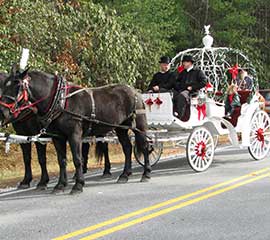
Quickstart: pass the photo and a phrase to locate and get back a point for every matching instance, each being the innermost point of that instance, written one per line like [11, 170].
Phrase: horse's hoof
[59, 188]
[146, 177]
[77, 188]
[41, 186]
[23, 185]
[122, 179]
[106, 175]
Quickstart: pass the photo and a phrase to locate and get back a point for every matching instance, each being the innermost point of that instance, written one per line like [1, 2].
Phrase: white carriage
[200, 133]
[200, 130]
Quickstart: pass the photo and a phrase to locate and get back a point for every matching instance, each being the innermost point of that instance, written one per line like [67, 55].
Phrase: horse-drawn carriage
[55, 103]
[205, 120]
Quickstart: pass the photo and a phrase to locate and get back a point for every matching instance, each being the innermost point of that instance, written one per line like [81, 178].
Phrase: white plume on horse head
[206, 28]
[24, 58]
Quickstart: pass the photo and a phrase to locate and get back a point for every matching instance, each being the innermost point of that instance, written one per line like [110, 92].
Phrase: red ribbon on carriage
[234, 71]
[149, 102]
[209, 87]
[201, 111]
[158, 101]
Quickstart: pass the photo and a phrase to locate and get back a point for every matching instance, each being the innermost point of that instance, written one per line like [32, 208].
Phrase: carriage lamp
[208, 39]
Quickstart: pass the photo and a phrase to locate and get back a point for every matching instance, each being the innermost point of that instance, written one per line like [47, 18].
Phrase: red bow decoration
[149, 102]
[201, 111]
[234, 71]
[209, 87]
[180, 68]
[158, 101]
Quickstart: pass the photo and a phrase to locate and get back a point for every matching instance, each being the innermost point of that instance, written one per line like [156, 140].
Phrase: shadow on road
[173, 167]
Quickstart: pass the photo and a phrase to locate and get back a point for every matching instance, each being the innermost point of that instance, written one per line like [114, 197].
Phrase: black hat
[188, 58]
[165, 59]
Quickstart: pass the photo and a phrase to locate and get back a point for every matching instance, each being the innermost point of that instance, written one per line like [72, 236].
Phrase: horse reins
[57, 105]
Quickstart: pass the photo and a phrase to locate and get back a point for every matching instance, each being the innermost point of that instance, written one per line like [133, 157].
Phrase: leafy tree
[82, 37]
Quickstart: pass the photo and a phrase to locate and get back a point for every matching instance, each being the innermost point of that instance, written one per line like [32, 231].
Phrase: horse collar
[58, 103]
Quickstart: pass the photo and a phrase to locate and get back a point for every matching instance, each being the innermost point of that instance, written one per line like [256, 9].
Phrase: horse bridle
[21, 102]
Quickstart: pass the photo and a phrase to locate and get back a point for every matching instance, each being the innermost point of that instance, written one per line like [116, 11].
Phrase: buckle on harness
[43, 131]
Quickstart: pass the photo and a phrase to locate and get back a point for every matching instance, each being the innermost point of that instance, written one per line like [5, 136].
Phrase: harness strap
[93, 113]
[74, 93]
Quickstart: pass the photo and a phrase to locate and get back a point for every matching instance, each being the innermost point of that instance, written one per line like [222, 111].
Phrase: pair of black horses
[69, 114]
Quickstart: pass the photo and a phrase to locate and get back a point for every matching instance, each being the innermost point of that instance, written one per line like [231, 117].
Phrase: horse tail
[100, 151]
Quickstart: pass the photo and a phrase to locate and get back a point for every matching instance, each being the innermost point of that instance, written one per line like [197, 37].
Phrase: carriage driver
[163, 79]
[188, 81]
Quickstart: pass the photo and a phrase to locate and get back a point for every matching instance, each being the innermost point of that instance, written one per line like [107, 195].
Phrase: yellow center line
[156, 206]
[170, 209]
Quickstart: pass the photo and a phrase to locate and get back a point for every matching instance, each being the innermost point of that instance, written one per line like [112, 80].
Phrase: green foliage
[85, 39]
[111, 41]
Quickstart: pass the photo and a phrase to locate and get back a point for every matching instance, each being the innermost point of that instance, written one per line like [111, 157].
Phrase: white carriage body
[160, 116]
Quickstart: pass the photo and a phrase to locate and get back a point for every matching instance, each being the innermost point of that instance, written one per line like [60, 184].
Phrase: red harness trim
[24, 96]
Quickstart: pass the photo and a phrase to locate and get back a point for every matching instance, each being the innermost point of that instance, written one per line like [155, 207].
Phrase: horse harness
[93, 118]
[58, 104]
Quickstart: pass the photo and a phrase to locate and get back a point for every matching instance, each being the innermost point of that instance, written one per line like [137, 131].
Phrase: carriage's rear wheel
[155, 151]
[200, 149]
[259, 135]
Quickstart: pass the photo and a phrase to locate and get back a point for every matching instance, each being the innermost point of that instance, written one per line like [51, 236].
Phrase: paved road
[228, 201]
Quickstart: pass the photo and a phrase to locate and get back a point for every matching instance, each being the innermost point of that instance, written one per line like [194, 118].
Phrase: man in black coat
[188, 81]
[162, 80]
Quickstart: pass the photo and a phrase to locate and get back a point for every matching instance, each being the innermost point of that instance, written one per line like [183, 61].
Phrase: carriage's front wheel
[200, 149]
[259, 135]
[155, 151]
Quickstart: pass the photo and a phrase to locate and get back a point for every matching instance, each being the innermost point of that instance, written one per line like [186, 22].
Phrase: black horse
[70, 114]
[28, 125]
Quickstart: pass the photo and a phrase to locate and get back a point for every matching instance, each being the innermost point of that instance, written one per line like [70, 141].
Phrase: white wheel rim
[260, 135]
[200, 149]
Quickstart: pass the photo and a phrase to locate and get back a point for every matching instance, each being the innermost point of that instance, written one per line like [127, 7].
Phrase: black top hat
[165, 59]
[188, 58]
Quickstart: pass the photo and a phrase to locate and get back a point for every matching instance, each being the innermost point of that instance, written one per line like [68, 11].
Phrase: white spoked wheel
[200, 149]
[259, 135]
[155, 151]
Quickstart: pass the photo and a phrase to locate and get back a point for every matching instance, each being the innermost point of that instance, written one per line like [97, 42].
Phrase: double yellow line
[222, 187]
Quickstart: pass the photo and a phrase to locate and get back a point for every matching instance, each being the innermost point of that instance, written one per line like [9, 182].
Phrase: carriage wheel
[259, 135]
[155, 151]
[200, 149]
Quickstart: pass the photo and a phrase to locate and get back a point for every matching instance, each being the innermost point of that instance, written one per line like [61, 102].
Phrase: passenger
[188, 81]
[163, 79]
[232, 100]
[244, 82]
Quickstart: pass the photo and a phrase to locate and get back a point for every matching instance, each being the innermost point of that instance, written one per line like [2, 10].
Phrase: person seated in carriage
[163, 79]
[232, 101]
[188, 82]
[244, 81]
